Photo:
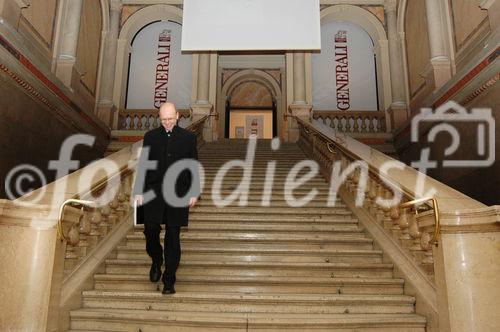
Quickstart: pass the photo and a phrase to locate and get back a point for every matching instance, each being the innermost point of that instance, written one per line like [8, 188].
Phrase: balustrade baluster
[136, 122]
[404, 237]
[395, 230]
[416, 249]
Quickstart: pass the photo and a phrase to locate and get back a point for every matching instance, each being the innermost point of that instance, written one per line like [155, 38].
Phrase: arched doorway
[250, 102]
[250, 110]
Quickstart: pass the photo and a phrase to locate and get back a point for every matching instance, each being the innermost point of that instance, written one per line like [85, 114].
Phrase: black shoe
[168, 289]
[155, 272]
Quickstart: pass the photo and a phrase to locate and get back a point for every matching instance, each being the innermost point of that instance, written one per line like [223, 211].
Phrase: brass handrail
[329, 146]
[437, 225]
[60, 233]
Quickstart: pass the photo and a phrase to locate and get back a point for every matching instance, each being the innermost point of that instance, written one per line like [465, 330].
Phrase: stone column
[68, 41]
[105, 107]
[440, 61]
[299, 78]
[202, 105]
[398, 111]
[10, 11]
[299, 106]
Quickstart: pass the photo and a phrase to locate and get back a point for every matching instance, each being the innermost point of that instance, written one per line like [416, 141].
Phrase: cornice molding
[486, 4]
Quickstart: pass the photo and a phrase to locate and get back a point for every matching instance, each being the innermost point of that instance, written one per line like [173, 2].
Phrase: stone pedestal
[441, 70]
[106, 113]
[398, 114]
[467, 270]
[27, 251]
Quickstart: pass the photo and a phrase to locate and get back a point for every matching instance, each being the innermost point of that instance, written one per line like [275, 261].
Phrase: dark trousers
[171, 249]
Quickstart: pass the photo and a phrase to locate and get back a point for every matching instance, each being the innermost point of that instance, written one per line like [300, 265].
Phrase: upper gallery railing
[144, 119]
[354, 122]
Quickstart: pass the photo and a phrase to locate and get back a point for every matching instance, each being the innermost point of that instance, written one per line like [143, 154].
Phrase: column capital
[390, 5]
[115, 5]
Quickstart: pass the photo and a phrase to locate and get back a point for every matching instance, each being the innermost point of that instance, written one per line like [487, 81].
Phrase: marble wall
[31, 133]
[477, 182]
[38, 21]
[417, 45]
[89, 39]
[467, 19]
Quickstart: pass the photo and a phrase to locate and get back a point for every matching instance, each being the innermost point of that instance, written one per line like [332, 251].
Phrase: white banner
[344, 74]
[162, 68]
[158, 69]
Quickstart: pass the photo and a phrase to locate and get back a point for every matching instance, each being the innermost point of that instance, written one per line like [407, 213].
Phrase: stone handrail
[144, 119]
[405, 232]
[354, 122]
[62, 267]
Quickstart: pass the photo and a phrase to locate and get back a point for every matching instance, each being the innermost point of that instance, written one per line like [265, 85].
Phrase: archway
[250, 102]
[131, 27]
[251, 76]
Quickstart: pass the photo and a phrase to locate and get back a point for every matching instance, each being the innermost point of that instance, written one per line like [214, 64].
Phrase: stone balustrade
[354, 122]
[445, 255]
[48, 260]
[403, 225]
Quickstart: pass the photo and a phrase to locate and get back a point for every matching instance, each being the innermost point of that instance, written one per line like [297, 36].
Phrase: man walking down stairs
[255, 267]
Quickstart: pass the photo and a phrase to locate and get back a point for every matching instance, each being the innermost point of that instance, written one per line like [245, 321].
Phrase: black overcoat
[180, 146]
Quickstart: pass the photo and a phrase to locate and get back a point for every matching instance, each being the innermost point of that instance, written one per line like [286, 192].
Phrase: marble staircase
[254, 267]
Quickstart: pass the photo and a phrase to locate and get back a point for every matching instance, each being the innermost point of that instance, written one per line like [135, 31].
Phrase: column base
[66, 72]
[302, 111]
[106, 113]
[441, 70]
[200, 110]
[398, 114]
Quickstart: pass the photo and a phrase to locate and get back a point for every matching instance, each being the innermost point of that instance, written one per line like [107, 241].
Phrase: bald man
[166, 145]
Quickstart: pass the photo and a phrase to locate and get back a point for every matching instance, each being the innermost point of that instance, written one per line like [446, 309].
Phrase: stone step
[273, 203]
[337, 220]
[257, 197]
[257, 240]
[361, 256]
[251, 285]
[95, 319]
[267, 227]
[297, 193]
[259, 181]
[284, 211]
[279, 173]
[237, 302]
[191, 251]
[263, 155]
[277, 237]
[249, 269]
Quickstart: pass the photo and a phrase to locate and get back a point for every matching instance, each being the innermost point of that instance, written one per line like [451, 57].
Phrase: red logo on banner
[162, 68]
[342, 71]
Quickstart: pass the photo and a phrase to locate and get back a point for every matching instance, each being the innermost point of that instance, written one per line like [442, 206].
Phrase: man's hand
[192, 201]
[139, 199]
